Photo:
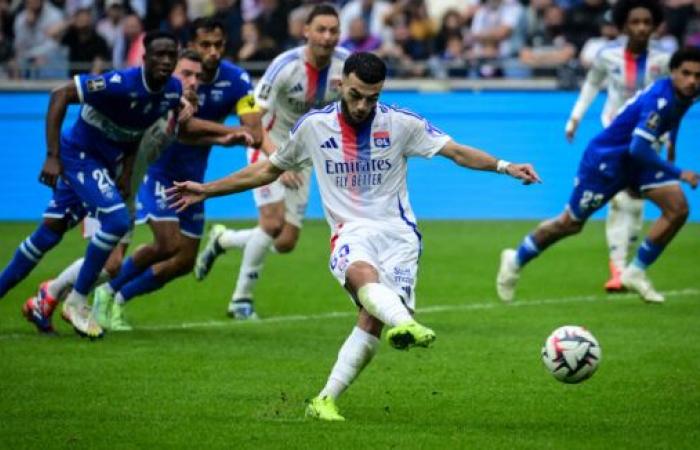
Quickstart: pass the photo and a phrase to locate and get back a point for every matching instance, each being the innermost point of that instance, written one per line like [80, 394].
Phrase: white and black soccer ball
[571, 354]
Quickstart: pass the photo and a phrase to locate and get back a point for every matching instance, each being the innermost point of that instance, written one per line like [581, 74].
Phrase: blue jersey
[651, 114]
[117, 107]
[230, 91]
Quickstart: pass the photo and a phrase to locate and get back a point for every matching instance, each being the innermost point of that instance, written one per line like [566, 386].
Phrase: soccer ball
[571, 354]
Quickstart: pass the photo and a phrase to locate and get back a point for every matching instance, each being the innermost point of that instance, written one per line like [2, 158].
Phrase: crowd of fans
[43, 39]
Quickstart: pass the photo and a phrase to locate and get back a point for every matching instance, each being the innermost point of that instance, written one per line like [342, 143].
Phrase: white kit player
[359, 149]
[627, 66]
[298, 80]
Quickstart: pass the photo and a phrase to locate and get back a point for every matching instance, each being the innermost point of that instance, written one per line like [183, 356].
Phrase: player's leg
[295, 201]
[622, 227]
[271, 221]
[45, 237]
[674, 212]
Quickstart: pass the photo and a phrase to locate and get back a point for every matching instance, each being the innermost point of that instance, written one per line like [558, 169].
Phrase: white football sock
[253, 258]
[384, 304]
[235, 238]
[357, 351]
[622, 226]
[63, 283]
[65, 280]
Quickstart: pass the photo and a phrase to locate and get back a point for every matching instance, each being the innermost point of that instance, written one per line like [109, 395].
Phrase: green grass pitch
[188, 377]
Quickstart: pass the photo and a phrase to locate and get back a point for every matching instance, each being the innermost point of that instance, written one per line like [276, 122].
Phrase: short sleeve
[95, 89]
[650, 122]
[271, 83]
[424, 139]
[294, 155]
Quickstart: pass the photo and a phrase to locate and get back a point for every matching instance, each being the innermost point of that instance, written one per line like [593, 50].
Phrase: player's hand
[187, 110]
[240, 136]
[50, 171]
[690, 177]
[570, 130]
[523, 172]
[184, 194]
[291, 179]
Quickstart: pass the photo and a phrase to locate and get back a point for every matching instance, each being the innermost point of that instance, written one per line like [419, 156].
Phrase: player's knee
[678, 213]
[272, 226]
[166, 248]
[116, 223]
[285, 245]
[185, 263]
[58, 226]
[568, 226]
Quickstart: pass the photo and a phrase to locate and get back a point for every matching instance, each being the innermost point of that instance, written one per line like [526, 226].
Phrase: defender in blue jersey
[623, 156]
[225, 89]
[81, 164]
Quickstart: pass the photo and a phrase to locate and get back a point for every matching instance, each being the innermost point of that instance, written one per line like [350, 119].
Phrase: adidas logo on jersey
[297, 88]
[330, 143]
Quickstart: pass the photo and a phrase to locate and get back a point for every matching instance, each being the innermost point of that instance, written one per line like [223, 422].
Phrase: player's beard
[348, 117]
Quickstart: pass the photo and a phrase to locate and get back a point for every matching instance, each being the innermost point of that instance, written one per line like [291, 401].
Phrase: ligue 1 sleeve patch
[96, 84]
[265, 91]
[653, 121]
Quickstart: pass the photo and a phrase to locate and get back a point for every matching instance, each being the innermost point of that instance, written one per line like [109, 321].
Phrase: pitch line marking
[427, 310]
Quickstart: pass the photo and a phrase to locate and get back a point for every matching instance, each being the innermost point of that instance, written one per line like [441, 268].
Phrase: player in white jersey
[359, 150]
[297, 80]
[627, 66]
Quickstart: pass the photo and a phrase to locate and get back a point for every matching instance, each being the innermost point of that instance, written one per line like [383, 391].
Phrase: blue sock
[647, 253]
[127, 272]
[27, 256]
[527, 251]
[144, 283]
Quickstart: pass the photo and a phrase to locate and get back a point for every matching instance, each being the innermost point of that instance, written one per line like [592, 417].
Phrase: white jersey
[625, 76]
[291, 86]
[361, 170]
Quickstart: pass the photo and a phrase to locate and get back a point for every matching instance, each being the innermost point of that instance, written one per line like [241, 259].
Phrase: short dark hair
[190, 54]
[622, 8]
[206, 24]
[158, 34]
[323, 9]
[683, 55]
[368, 67]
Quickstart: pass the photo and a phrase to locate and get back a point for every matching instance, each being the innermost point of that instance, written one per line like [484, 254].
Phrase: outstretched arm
[58, 104]
[473, 158]
[205, 132]
[186, 193]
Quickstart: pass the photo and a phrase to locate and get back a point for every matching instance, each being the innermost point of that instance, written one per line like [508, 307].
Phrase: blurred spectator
[582, 21]
[272, 22]
[199, 8]
[128, 49]
[359, 39]
[36, 48]
[608, 32]
[420, 27]
[7, 19]
[495, 33]
[399, 51]
[71, 7]
[546, 47]
[679, 14]
[250, 9]
[228, 12]
[156, 13]
[255, 46]
[295, 26]
[7, 54]
[692, 35]
[451, 61]
[87, 50]
[664, 39]
[177, 22]
[110, 27]
[374, 12]
[450, 27]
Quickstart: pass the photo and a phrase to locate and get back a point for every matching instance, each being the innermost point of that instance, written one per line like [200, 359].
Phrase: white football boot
[634, 278]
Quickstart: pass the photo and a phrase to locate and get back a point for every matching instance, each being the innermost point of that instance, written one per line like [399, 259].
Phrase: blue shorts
[85, 187]
[598, 180]
[152, 204]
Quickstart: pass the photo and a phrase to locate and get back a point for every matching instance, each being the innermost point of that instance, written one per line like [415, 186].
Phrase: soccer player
[626, 66]
[297, 80]
[623, 156]
[117, 108]
[375, 241]
[39, 309]
[225, 88]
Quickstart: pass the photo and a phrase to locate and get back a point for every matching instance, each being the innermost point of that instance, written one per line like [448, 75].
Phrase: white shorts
[92, 226]
[394, 254]
[295, 200]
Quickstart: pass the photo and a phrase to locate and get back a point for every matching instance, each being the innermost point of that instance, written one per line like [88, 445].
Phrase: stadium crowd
[45, 39]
